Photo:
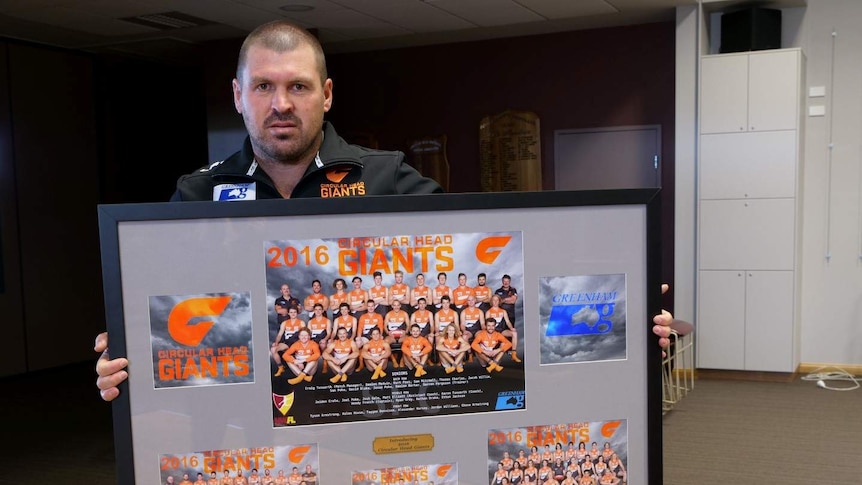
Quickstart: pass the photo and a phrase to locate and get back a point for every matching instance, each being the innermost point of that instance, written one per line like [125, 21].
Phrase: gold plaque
[510, 155]
[407, 443]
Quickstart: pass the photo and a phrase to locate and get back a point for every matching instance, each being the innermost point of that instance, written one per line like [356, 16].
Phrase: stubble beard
[283, 149]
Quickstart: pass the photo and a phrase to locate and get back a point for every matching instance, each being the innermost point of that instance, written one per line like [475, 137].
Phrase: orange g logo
[485, 252]
[336, 175]
[609, 428]
[186, 333]
[443, 470]
[297, 454]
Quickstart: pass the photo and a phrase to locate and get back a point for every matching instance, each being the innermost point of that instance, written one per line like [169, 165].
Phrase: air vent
[168, 21]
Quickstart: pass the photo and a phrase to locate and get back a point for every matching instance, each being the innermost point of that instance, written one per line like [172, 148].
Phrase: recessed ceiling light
[296, 8]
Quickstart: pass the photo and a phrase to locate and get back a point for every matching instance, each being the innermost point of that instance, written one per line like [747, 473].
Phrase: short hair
[281, 36]
[377, 273]
[482, 275]
[356, 278]
[507, 277]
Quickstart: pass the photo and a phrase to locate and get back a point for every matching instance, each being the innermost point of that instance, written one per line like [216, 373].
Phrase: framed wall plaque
[287, 338]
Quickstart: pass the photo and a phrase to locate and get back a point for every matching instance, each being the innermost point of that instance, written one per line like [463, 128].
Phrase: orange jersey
[290, 327]
[417, 346]
[318, 325]
[376, 348]
[482, 294]
[367, 323]
[199, 482]
[212, 481]
[342, 349]
[314, 299]
[441, 290]
[379, 295]
[451, 343]
[299, 352]
[460, 295]
[497, 314]
[337, 299]
[345, 321]
[357, 299]
[471, 317]
[227, 481]
[423, 318]
[489, 341]
[421, 292]
[396, 321]
[444, 318]
[400, 292]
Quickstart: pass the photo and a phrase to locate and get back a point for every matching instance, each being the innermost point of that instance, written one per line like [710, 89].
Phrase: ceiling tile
[555, 9]
[81, 20]
[487, 13]
[413, 15]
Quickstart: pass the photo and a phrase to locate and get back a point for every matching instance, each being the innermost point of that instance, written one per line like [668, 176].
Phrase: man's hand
[662, 324]
[111, 372]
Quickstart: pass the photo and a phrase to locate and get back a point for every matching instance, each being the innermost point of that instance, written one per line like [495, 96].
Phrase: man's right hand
[111, 372]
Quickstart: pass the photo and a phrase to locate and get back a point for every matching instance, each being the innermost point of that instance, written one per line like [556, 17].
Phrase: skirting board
[806, 368]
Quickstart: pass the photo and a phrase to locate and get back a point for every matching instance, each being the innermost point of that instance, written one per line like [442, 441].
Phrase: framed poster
[424, 339]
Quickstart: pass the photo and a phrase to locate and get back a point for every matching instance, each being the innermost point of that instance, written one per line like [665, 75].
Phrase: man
[301, 358]
[420, 291]
[380, 294]
[240, 480]
[482, 293]
[368, 321]
[308, 476]
[508, 296]
[287, 301]
[200, 480]
[287, 335]
[376, 354]
[320, 326]
[424, 319]
[416, 350]
[341, 354]
[357, 298]
[316, 297]
[489, 346]
[169, 480]
[213, 480]
[282, 91]
[295, 477]
[400, 292]
[395, 324]
[472, 319]
[441, 290]
[227, 479]
[460, 293]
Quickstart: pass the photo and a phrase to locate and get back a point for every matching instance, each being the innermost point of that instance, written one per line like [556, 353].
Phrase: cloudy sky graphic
[559, 349]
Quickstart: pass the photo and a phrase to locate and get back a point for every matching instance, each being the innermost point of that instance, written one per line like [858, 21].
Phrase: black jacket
[347, 171]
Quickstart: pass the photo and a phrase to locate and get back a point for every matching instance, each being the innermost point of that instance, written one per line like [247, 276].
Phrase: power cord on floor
[823, 375]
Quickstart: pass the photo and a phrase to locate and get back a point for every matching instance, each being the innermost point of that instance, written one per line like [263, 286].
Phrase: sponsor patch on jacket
[235, 191]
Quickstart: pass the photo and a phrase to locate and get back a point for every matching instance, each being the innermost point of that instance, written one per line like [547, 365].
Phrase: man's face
[342, 334]
[370, 306]
[170, 479]
[441, 279]
[506, 282]
[481, 280]
[399, 278]
[315, 287]
[357, 283]
[420, 280]
[292, 313]
[378, 280]
[396, 305]
[490, 327]
[462, 280]
[414, 331]
[304, 337]
[318, 311]
[471, 300]
[282, 101]
[308, 468]
[285, 290]
[422, 304]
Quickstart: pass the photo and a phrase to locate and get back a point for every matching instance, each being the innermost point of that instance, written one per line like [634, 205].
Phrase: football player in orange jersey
[370, 319]
[254, 478]
[346, 320]
[200, 480]
[421, 291]
[320, 326]
[441, 290]
[416, 349]
[239, 480]
[460, 293]
[226, 479]
[341, 354]
[489, 346]
[314, 298]
[380, 294]
[185, 480]
[302, 357]
[213, 479]
[339, 297]
[357, 297]
[395, 323]
[267, 479]
[444, 316]
[287, 336]
[500, 317]
[400, 292]
[472, 319]
[425, 319]
[281, 479]
[376, 354]
[452, 349]
[482, 292]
